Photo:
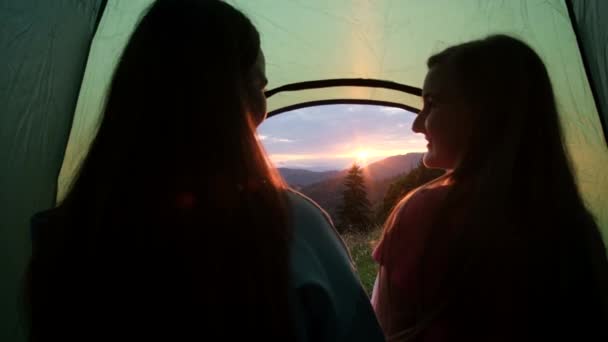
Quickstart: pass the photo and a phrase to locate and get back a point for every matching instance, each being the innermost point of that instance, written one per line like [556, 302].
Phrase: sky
[332, 137]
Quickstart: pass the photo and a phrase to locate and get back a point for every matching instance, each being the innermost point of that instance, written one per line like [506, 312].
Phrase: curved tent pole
[346, 82]
[343, 101]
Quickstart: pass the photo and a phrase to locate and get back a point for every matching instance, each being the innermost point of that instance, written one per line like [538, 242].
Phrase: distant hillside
[299, 178]
[393, 166]
[378, 176]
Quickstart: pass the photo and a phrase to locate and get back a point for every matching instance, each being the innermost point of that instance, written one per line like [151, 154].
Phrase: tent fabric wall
[592, 26]
[384, 40]
[43, 50]
[115, 27]
[391, 40]
[44, 46]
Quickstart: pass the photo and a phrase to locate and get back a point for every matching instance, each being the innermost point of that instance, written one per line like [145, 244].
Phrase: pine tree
[355, 213]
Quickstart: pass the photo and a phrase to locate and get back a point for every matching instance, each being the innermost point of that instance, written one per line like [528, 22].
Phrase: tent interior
[57, 59]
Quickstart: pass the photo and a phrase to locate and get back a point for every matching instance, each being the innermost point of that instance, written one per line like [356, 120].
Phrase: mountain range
[326, 187]
[299, 178]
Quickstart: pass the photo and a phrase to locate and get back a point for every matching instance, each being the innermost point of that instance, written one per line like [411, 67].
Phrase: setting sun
[362, 156]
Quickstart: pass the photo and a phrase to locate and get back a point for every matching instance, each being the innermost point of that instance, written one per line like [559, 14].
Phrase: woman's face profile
[445, 119]
[256, 88]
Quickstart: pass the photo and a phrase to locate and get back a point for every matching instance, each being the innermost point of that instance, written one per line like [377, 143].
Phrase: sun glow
[362, 156]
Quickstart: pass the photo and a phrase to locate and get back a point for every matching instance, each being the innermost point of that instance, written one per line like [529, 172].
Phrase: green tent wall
[57, 58]
[43, 50]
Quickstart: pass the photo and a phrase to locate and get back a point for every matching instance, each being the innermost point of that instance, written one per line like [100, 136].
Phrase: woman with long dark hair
[176, 227]
[501, 248]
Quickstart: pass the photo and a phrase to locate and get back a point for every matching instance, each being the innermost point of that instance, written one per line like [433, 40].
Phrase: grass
[361, 246]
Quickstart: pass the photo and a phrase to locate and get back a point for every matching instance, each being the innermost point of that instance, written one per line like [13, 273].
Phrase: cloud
[354, 108]
[393, 111]
[267, 139]
[283, 140]
[328, 134]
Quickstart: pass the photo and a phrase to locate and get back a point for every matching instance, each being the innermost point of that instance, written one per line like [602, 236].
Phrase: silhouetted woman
[502, 247]
[176, 227]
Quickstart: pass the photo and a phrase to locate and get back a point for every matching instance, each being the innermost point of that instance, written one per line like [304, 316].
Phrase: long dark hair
[530, 258]
[176, 227]
[528, 262]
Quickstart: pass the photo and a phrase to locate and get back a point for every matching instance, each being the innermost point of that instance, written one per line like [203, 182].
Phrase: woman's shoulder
[305, 208]
[431, 195]
[331, 303]
[423, 202]
[407, 225]
[44, 225]
[313, 230]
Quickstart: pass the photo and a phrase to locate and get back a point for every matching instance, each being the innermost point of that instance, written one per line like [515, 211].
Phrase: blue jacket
[331, 304]
[329, 301]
